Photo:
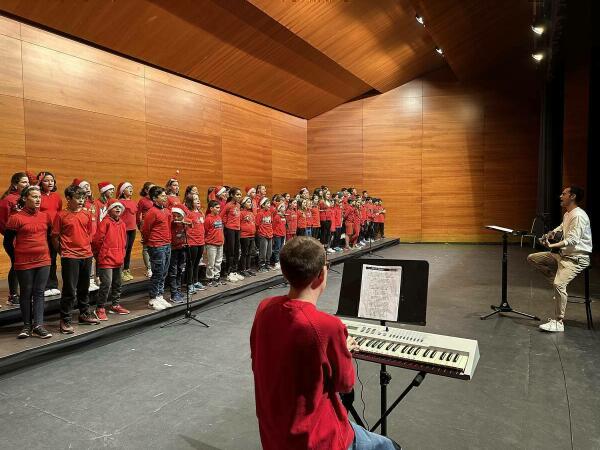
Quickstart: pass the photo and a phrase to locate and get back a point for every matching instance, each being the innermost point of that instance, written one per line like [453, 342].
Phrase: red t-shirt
[264, 223]
[325, 210]
[316, 216]
[278, 225]
[369, 208]
[196, 231]
[177, 235]
[156, 228]
[173, 200]
[297, 405]
[247, 224]
[302, 219]
[8, 206]
[31, 242]
[291, 215]
[337, 215]
[51, 205]
[74, 231]
[213, 230]
[231, 215]
[143, 206]
[129, 214]
[109, 243]
[91, 208]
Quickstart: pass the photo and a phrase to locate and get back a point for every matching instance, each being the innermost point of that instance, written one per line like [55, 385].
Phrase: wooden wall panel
[11, 76]
[10, 27]
[12, 128]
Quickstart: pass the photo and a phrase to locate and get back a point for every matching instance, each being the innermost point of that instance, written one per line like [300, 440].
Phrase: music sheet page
[380, 292]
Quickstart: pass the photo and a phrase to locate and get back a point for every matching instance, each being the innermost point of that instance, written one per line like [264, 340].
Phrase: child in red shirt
[214, 239]
[247, 234]
[291, 216]
[316, 217]
[172, 189]
[51, 205]
[26, 240]
[302, 217]
[195, 235]
[279, 229]
[71, 237]
[109, 246]
[325, 204]
[336, 223]
[144, 204]
[125, 192]
[8, 206]
[264, 225]
[178, 253]
[231, 223]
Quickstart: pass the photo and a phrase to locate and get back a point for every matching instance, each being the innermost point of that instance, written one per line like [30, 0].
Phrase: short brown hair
[302, 259]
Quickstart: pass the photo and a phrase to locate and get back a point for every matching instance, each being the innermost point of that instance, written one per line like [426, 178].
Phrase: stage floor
[187, 386]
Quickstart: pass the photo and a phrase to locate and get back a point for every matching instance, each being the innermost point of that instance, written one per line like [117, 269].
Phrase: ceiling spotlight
[538, 56]
[538, 29]
[440, 51]
[420, 19]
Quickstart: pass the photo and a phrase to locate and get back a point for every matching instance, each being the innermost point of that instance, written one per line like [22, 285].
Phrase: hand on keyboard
[352, 345]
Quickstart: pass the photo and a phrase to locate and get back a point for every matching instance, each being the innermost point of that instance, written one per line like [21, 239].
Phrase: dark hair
[232, 192]
[25, 193]
[170, 183]
[14, 180]
[212, 204]
[577, 192]
[155, 191]
[209, 191]
[74, 191]
[258, 186]
[189, 201]
[146, 188]
[40, 177]
[188, 189]
[302, 259]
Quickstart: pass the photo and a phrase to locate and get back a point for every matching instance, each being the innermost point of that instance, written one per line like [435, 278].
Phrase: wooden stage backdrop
[81, 112]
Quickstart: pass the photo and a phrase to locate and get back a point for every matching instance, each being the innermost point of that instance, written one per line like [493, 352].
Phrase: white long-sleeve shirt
[577, 233]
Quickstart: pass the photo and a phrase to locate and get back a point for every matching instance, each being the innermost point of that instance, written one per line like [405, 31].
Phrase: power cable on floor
[566, 391]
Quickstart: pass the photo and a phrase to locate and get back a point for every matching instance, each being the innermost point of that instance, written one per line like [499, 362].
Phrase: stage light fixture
[420, 19]
[538, 29]
[440, 51]
[538, 56]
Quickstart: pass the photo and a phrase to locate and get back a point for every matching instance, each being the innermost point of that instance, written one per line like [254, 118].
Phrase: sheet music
[497, 228]
[380, 292]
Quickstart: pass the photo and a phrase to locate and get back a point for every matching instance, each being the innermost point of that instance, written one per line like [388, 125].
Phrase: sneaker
[191, 289]
[41, 332]
[101, 314]
[25, 332]
[239, 276]
[88, 318]
[553, 326]
[118, 309]
[156, 304]
[162, 301]
[66, 327]
[177, 298]
[48, 292]
[148, 273]
[13, 300]
[232, 278]
[277, 266]
[93, 285]
[338, 249]
[221, 282]
[330, 250]
[251, 273]
[199, 286]
[262, 269]
[57, 292]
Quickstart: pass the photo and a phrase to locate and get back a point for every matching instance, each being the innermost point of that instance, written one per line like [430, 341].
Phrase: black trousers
[246, 245]
[232, 250]
[325, 232]
[32, 283]
[316, 232]
[130, 241]
[301, 232]
[110, 286]
[193, 263]
[52, 282]
[176, 269]
[13, 281]
[76, 286]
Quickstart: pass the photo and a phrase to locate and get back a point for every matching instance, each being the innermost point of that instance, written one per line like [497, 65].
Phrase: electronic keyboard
[426, 352]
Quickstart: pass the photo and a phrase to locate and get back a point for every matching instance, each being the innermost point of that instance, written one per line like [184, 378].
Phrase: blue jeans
[277, 245]
[159, 263]
[176, 270]
[366, 440]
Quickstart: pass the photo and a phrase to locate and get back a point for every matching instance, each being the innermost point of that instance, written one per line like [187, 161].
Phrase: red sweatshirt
[213, 230]
[74, 231]
[31, 242]
[297, 405]
[316, 216]
[337, 215]
[177, 235]
[278, 224]
[302, 219]
[247, 224]
[325, 210]
[291, 215]
[196, 231]
[156, 229]
[109, 243]
[51, 205]
[129, 214]
[231, 215]
[173, 200]
[144, 204]
[264, 223]
[8, 206]
[370, 207]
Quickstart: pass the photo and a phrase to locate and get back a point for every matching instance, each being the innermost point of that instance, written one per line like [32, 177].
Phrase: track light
[538, 29]
[420, 19]
[538, 56]
[440, 51]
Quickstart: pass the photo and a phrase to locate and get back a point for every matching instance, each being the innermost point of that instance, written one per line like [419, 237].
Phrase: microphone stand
[187, 316]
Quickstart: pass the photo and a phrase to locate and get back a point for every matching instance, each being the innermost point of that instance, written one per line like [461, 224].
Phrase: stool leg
[588, 300]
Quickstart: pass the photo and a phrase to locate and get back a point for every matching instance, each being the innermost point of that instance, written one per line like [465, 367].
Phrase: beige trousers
[560, 271]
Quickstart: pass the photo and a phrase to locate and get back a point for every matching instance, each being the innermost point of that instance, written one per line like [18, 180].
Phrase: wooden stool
[587, 298]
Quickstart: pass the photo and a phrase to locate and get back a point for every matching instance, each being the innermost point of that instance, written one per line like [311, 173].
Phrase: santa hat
[263, 200]
[220, 190]
[112, 203]
[124, 185]
[104, 186]
[79, 182]
[245, 199]
[177, 210]
[249, 189]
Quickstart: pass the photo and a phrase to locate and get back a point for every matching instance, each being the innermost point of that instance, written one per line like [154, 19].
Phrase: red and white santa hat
[220, 190]
[104, 186]
[79, 182]
[112, 203]
[245, 199]
[122, 186]
[263, 200]
[250, 189]
[177, 210]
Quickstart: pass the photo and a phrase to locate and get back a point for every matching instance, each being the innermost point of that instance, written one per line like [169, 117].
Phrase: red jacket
[231, 215]
[109, 243]
[156, 229]
[247, 224]
[8, 206]
[264, 223]
[196, 231]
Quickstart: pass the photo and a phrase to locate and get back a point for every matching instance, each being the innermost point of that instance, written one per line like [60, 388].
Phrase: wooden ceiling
[301, 57]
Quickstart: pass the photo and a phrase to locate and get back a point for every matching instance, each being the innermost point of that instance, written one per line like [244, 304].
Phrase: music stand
[504, 306]
[412, 308]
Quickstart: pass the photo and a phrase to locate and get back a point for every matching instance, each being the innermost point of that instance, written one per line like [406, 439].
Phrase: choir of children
[238, 226]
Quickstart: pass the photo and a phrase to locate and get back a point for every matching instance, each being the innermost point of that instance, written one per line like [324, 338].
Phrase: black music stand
[504, 306]
[412, 309]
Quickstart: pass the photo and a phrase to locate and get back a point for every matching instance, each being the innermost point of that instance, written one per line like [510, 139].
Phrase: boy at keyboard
[301, 361]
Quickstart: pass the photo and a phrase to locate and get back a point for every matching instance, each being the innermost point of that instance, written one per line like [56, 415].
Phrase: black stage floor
[189, 387]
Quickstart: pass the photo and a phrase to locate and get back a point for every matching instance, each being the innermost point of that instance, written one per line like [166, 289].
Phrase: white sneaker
[57, 292]
[277, 266]
[232, 278]
[330, 250]
[93, 285]
[553, 326]
[155, 304]
[239, 277]
[148, 273]
[161, 301]
[48, 292]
